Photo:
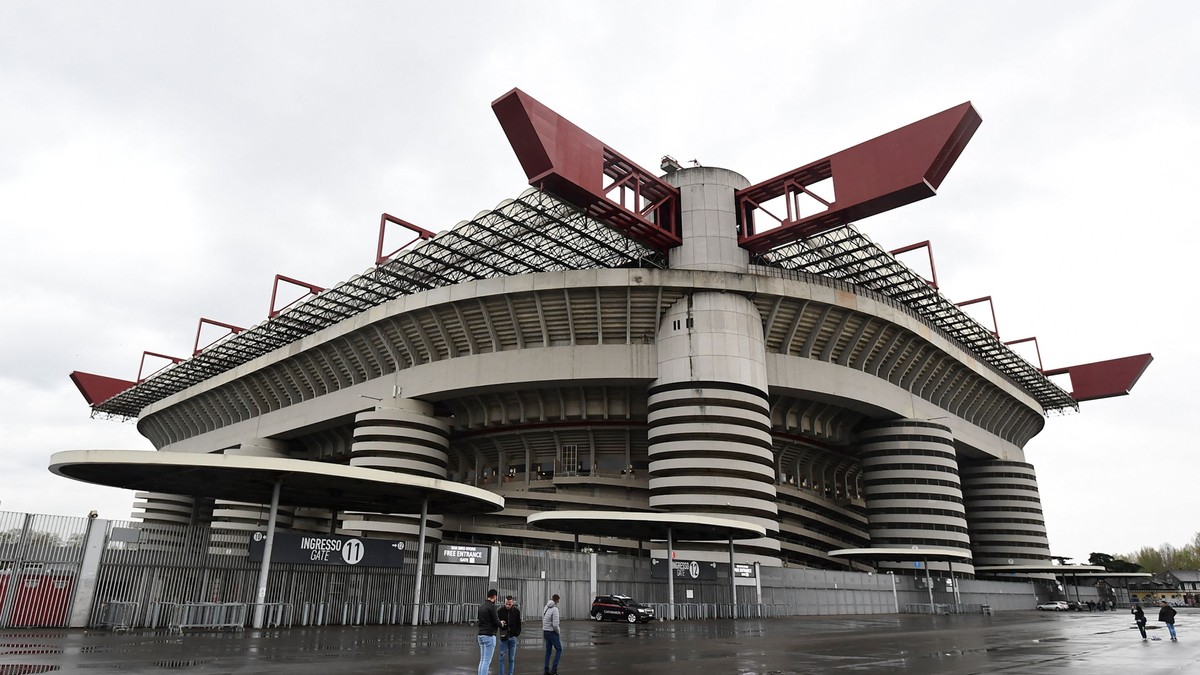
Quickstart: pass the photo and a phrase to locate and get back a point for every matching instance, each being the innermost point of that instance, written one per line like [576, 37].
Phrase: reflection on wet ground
[1012, 642]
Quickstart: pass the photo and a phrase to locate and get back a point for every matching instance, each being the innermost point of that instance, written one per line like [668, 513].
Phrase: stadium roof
[539, 233]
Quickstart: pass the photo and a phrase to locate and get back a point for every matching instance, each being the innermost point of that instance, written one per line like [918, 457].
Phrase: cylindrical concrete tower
[709, 427]
[1004, 513]
[912, 489]
[233, 522]
[403, 436]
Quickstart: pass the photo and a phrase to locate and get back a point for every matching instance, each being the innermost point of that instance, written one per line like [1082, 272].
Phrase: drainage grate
[17, 669]
[179, 663]
[20, 648]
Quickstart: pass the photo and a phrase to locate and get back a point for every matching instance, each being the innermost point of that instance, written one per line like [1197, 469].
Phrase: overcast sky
[160, 162]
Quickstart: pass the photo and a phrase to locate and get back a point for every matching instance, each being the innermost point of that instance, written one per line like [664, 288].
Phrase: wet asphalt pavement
[1025, 643]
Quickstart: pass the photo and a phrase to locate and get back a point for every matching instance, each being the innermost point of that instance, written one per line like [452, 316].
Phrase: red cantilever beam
[97, 389]
[1104, 379]
[897, 168]
[571, 164]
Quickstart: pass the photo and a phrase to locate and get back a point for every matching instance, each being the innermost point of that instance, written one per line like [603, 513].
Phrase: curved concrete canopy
[1067, 570]
[252, 479]
[1114, 575]
[902, 554]
[645, 526]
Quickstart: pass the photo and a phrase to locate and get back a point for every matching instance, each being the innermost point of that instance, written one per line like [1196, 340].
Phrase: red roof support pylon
[386, 218]
[933, 282]
[196, 348]
[312, 290]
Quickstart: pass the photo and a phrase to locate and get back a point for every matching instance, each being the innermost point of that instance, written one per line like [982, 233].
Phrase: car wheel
[631, 618]
[598, 616]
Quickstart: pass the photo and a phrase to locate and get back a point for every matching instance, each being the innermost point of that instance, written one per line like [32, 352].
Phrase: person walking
[489, 623]
[1166, 614]
[510, 618]
[550, 633]
[1139, 617]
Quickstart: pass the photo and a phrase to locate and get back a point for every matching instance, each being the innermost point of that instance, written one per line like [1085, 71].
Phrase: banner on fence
[329, 550]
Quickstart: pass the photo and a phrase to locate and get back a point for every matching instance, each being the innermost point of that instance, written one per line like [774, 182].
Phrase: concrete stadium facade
[832, 415]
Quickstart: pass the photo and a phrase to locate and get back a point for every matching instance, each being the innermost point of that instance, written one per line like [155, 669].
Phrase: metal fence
[39, 565]
[191, 578]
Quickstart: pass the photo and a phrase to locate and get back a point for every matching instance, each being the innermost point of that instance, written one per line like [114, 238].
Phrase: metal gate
[39, 568]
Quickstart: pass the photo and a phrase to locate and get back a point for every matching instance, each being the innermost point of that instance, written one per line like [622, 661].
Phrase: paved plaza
[1013, 642]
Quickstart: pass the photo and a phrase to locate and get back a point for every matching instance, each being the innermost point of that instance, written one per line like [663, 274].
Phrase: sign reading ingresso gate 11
[328, 549]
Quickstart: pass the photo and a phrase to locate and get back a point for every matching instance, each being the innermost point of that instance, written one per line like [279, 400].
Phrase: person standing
[551, 635]
[1166, 614]
[1139, 617]
[489, 623]
[510, 618]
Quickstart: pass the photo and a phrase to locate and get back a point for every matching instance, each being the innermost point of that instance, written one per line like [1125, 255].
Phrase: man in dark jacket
[1166, 614]
[510, 619]
[489, 623]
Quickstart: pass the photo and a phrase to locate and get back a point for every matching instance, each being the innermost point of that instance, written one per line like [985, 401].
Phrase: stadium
[620, 340]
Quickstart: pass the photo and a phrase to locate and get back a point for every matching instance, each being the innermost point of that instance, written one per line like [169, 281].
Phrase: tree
[1168, 557]
[1113, 564]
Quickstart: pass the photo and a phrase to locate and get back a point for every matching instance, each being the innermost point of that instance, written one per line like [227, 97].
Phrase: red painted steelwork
[295, 282]
[929, 247]
[386, 218]
[142, 365]
[196, 348]
[988, 300]
[1036, 348]
[1104, 379]
[571, 164]
[897, 168]
[97, 389]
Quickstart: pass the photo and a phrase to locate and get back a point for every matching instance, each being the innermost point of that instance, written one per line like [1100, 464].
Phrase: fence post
[89, 573]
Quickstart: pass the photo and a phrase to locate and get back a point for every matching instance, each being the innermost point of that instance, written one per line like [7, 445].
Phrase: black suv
[620, 608]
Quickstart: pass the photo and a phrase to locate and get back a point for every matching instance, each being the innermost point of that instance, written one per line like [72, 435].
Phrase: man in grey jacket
[550, 633]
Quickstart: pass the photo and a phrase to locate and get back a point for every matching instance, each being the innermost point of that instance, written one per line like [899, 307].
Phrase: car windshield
[630, 602]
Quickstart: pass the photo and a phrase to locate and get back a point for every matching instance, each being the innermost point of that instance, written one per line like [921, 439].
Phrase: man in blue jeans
[550, 633]
[489, 623]
[510, 618]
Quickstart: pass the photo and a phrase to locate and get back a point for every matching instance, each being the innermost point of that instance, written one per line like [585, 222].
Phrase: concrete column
[912, 489]
[708, 215]
[402, 436]
[1004, 513]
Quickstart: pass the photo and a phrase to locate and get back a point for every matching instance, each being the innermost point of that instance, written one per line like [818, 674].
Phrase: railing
[946, 608]
[275, 614]
[117, 615]
[206, 616]
[689, 611]
[393, 613]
